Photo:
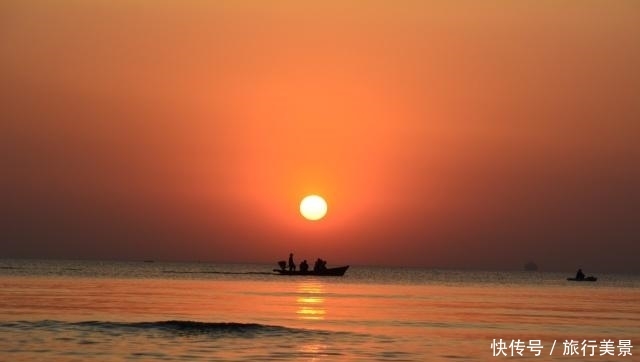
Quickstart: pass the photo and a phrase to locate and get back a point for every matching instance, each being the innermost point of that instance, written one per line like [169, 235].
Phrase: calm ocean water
[113, 311]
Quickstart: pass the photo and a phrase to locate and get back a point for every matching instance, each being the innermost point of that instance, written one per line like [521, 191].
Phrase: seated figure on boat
[304, 266]
[579, 275]
[282, 264]
[320, 265]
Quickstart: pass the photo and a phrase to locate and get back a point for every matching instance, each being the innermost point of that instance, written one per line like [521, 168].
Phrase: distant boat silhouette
[530, 266]
[329, 272]
[590, 278]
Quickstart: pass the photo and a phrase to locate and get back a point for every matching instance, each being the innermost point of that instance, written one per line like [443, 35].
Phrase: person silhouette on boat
[304, 266]
[320, 265]
[292, 264]
[282, 264]
[579, 275]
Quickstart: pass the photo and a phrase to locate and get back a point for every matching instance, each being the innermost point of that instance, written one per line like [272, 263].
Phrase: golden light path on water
[311, 303]
[311, 307]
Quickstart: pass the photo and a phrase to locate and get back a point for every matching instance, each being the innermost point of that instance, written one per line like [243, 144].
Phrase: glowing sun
[313, 207]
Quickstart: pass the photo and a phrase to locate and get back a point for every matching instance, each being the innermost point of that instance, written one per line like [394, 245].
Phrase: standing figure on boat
[292, 264]
[579, 275]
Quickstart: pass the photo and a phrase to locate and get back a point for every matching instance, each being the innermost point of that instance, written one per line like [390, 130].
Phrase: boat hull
[587, 279]
[331, 272]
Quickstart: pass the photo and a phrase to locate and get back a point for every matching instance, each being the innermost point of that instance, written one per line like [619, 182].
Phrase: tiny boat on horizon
[585, 279]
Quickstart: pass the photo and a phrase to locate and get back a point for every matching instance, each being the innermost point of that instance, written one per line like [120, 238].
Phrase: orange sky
[443, 134]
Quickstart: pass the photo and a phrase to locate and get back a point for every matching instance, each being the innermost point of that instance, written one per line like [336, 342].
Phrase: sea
[52, 310]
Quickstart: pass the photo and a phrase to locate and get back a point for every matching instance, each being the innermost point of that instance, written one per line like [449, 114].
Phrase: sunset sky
[449, 134]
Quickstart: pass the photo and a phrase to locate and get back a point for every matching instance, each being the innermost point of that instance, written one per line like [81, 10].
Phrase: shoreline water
[61, 311]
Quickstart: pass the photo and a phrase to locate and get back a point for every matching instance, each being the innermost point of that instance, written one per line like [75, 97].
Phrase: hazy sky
[476, 134]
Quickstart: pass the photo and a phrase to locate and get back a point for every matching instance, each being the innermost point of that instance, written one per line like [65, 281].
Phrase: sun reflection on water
[310, 301]
[315, 351]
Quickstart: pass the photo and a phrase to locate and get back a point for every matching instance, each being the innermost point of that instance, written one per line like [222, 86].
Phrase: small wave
[194, 327]
[171, 326]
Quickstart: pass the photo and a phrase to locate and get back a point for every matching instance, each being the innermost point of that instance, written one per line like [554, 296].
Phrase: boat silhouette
[328, 272]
